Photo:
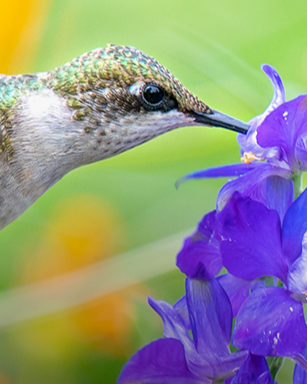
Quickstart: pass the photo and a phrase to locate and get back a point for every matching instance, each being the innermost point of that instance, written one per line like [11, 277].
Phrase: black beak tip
[218, 119]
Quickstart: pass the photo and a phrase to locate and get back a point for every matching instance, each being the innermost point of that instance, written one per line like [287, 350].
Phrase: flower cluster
[238, 327]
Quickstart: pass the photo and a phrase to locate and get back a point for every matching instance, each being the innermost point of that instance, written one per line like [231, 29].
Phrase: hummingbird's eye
[153, 95]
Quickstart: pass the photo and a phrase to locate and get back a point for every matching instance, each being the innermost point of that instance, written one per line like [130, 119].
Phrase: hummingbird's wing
[6, 149]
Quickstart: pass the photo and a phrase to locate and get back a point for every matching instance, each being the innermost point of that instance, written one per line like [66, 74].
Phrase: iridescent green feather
[118, 66]
[113, 66]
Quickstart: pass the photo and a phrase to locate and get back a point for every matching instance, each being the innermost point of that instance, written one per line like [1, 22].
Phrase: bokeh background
[76, 268]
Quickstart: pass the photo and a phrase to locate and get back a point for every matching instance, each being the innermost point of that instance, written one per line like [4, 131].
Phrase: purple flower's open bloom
[273, 151]
[179, 359]
[254, 244]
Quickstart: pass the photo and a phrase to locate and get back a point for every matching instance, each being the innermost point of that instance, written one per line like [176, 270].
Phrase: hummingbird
[100, 104]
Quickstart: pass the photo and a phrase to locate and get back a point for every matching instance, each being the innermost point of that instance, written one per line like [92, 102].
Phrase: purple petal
[300, 374]
[294, 227]
[211, 322]
[297, 276]
[224, 171]
[255, 370]
[200, 256]
[280, 194]
[283, 127]
[174, 327]
[251, 244]
[181, 307]
[301, 152]
[248, 142]
[300, 360]
[252, 184]
[160, 362]
[265, 378]
[207, 304]
[210, 315]
[228, 380]
[207, 225]
[279, 91]
[270, 323]
[237, 290]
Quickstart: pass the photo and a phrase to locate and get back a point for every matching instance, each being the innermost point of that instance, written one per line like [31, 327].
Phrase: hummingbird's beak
[218, 119]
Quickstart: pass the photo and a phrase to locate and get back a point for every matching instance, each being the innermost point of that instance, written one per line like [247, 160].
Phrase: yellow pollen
[249, 157]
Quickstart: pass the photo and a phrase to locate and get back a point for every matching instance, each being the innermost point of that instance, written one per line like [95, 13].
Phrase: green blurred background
[76, 268]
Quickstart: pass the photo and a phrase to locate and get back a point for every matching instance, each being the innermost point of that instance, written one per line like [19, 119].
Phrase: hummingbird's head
[120, 86]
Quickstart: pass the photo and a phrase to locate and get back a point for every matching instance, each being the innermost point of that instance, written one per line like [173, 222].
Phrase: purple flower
[254, 244]
[177, 358]
[259, 234]
[274, 153]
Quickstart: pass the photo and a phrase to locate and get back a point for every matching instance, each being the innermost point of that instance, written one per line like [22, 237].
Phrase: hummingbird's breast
[35, 135]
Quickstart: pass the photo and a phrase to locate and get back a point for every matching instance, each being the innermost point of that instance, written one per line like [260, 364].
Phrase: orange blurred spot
[20, 25]
[3, 380]
[86, 228]
[105, 322]
[83, 230]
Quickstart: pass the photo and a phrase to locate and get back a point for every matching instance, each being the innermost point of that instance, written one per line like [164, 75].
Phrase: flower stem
[275, 364]
[297, 182]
